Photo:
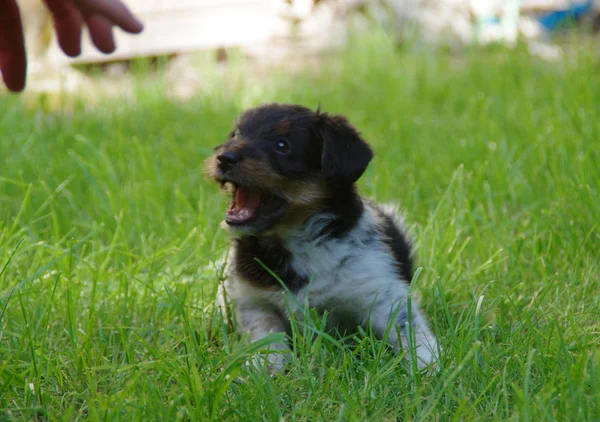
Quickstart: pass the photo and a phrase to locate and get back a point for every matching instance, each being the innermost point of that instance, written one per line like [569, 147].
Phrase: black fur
[259, 128]
[271, 252]
[345, 155]
[399, 246]
[319, 142]
[347, 207]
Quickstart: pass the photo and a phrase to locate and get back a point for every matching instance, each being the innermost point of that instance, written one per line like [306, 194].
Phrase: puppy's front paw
[273, 361]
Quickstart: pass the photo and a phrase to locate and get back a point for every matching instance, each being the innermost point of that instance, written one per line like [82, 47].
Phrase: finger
[13, 62]
[101, 33]
[115, 11]
[67, 23]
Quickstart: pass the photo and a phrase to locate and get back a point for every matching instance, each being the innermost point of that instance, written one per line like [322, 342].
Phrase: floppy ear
[345, 154]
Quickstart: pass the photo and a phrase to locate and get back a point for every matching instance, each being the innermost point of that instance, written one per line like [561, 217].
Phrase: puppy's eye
[282, 145]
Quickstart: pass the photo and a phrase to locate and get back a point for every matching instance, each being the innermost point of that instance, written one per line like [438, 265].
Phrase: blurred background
[184, 35]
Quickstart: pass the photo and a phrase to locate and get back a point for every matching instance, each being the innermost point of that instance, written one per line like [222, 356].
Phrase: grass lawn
[110, 248]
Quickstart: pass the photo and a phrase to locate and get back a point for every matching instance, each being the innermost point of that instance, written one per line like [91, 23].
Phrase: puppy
[301, 232]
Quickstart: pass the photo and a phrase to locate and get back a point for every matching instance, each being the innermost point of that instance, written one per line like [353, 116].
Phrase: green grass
[110, 248]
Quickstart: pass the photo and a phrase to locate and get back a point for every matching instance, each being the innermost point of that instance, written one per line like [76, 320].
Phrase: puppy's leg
[392, 309]
[258, 322]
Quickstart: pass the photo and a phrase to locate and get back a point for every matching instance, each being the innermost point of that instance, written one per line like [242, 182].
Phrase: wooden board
[186, 25]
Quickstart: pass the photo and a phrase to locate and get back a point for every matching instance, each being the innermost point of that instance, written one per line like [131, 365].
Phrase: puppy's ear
[345, 154]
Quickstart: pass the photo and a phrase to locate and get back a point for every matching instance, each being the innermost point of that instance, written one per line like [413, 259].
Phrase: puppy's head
[280, 162]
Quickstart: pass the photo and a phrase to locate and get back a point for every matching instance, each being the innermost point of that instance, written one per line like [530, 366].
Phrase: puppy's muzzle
[227, 160]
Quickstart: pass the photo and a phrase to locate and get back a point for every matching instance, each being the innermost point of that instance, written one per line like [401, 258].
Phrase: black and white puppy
[295, 210]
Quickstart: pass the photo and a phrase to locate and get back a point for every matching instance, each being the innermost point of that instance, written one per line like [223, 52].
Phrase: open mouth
[249, 204]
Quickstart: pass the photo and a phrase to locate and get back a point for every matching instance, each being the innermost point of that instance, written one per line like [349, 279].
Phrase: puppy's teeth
[229, 187]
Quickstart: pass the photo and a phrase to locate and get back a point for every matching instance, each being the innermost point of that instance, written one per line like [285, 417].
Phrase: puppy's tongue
[244, 206]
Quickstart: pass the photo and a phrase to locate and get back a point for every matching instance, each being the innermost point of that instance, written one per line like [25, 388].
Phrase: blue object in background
[556, 18]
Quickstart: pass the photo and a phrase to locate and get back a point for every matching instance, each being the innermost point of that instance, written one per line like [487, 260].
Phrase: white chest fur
[352, 277]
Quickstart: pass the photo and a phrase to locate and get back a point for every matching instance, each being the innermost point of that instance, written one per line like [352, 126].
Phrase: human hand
[69, 15]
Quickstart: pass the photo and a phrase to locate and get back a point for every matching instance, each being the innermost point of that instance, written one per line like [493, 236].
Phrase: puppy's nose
[228, 159]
